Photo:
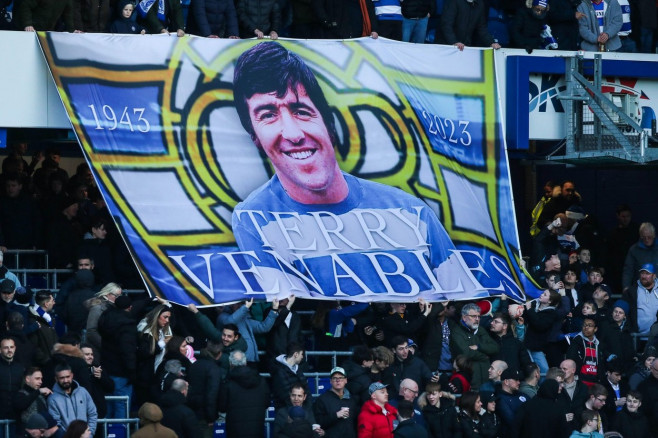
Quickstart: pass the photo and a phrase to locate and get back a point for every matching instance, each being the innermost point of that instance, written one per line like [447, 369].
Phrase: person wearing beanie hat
[150, 416]
[600, 26]
[616, 336]
[34, 425]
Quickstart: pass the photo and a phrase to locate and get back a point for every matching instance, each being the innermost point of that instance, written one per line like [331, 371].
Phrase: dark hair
[75, 429]
[299, 385]
[623, 207]
[42, 296]
[467, 404]
[635, 394]
[591, 318]
[173, 345]
[529, 369]
[465, 366]
[597, 390]
[98, 222]
[293, 347]
[13, 176]
[233, 328]
[269, 67]
[31, 370]
[214, 348]
[399, 340]
[16, 321]
[554, 274]
[503, 317]
[70, 339]
[588, 415]
[360, 354]
[554, 298]
[583, 248]
[405, 409]
[62, 366]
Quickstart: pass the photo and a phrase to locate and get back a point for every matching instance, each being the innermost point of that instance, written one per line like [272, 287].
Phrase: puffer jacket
[264, 15]
[213, 17]
[374, 423]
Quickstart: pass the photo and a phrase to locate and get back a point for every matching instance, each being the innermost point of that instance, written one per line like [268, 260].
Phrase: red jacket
[373, 423]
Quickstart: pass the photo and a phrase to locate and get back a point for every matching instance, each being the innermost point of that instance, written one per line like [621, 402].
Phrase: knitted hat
[544, 4]
[36, 421]
[23, 295]
[623, 305]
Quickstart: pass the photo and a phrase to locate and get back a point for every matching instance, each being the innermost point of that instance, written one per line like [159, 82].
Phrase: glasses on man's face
[601, 400]
[474, 316]
[495, 321]
[337, 379]
[588, 326]
[411, 391]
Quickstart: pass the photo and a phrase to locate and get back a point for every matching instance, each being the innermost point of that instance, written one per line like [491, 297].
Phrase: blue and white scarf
[145, 5]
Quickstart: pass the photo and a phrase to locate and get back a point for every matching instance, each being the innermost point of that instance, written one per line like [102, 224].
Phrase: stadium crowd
[590, 25]
[567, 363]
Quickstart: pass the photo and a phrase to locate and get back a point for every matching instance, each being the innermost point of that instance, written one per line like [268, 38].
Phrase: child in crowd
[584, 264]
[586, 290]
[590, 421]
[125, 23]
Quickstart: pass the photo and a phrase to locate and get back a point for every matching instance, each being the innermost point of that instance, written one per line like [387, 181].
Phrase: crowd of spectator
[590, 25]
[563, 364]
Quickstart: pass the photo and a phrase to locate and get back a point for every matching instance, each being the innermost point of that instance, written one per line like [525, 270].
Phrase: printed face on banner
[293, 135]
[354, 174]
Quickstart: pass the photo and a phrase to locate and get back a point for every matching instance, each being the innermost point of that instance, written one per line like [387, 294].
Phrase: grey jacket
[589, 26]
[78, 405]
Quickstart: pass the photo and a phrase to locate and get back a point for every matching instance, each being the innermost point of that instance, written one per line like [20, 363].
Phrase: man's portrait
[342, 233]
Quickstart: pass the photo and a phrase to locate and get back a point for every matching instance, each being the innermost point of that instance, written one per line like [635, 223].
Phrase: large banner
[367, 170]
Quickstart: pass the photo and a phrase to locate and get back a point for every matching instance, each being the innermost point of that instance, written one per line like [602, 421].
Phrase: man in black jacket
[11, 376]
[358, 368]
[286, 370]
[205, 377]
[31, 399]
[118, 355]
[175, 414]
[244, 398]
[406, 366]
[512, 351]
[335, 410]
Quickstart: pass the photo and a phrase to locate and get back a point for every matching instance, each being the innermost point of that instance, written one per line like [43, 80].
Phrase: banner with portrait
[220, 199]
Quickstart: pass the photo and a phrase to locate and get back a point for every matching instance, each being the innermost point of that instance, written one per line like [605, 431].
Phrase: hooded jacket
[125, 25]
[588, 28]
[373, 422]
[539, 325]
[283, 377]
[244, 398]
[78, 405]
[75, 313]
[177, 416]
[543, 416]
[150, 416]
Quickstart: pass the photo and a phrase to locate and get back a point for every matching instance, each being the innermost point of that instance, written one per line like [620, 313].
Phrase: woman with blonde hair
[97, 305]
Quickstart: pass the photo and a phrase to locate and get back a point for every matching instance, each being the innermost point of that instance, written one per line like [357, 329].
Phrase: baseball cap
[511, 374]
[649, 267]
[376, 387]
[338, 370]
[7, 286]
[605, 288]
